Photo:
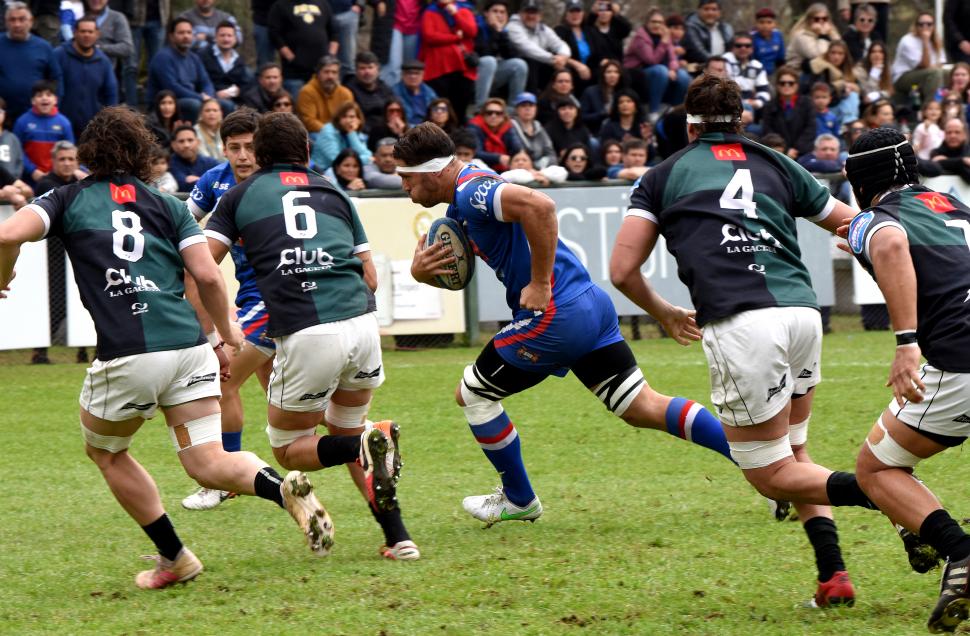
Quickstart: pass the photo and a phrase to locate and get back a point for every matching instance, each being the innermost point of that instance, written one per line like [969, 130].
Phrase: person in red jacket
[448, 51]
[497, 141]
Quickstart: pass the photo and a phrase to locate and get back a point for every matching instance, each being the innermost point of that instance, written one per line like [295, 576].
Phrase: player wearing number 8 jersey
[726, 207]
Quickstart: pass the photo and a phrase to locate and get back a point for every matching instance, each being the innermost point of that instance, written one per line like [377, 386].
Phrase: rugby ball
[449, 232]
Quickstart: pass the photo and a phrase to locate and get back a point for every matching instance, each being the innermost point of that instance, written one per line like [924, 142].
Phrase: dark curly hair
[879, 160]
[117, 141]
[712, 96]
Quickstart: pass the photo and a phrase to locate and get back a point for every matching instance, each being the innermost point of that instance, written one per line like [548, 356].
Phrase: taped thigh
[346, 416]
[110, 443]
[798, 433]
[890, 452]
[196, 432]
[750, 455]
[279, 437]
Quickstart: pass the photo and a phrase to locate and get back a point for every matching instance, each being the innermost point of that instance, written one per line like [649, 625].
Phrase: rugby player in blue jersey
[561, 321]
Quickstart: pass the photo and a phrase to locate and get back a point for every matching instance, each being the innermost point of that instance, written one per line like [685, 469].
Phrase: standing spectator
[956, 26]
[537, 44]
[47, 20]
[394, 125]
[919, 60]
[269, 83]
[413, 93]
[187, 165]
[341, 133]
[25, 59]
[11, 152]
[226, 68]
[346, 172]
[567, 128]
[39, 129]
[145, 20]
[303, 31]
[750, 76]
[178, 69]
[442, 114]
[533, 138]
[205, 19]
[404, 39]
[790, 115]
[321, 96]
[346, 17]
[447, 48]
[560, 89]
[769, 44]
[265, 53]
[625, 118]
[811, 35]
[370, 92]
[597, 99]
[89, 78]
[381, 173]
[707, 34]
[861, 33]
[875, 80]
[848, 9]
[652, 56]
[115, 39]
[927, 136]
[497, 141]
[586, 48]
[497, 64]
[164, 117]
[609, 30]
[207, 130]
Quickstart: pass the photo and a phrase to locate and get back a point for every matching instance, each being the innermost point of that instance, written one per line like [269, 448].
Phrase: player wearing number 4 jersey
[726, 207]
[916, 242]
[313, 268]
[129, 245]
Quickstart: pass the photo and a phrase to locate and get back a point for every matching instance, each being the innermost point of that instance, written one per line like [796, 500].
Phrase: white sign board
[80, 327]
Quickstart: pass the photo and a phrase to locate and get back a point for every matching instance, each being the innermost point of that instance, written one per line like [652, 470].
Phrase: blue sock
[232, 442]
[689, 420]
[500, 442]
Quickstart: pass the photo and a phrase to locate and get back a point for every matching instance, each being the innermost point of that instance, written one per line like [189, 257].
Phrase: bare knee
[103, 459]
[458, 398]
[281, 457]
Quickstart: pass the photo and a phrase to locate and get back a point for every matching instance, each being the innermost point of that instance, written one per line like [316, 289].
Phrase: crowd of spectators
[586, 96]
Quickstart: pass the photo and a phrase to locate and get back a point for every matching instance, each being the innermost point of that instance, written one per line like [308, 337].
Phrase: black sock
[843, 490]
[334, 450]
[825, 540]
[943, 533]
[162, 533]
[267, 485]
[392, 525]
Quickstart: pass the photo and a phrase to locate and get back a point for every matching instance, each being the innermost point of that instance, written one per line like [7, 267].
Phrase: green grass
[642, 534]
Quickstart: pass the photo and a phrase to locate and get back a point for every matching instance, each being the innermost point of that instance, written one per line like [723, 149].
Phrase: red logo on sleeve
[122, 193]
[294, 179]
[936, 202]
[729, 152]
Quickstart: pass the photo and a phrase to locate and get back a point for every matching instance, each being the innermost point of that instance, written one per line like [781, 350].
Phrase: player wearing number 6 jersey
[726, 207]
[130, 246]
[313, 269]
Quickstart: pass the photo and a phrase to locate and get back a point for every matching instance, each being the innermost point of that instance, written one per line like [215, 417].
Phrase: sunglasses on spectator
[820, 18]
[440, 109]
[282, 103]
[742, 45]
[493, 113]
[577, 158]
[865, 20]
[787, 83]
[924, 24]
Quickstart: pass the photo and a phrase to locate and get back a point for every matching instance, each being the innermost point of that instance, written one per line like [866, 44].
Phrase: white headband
[869, 152]
[431, 165]
[711, 119]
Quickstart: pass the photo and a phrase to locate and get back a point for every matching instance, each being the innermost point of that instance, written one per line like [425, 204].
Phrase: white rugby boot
[496, 507]
[206, 499]
[308, 512]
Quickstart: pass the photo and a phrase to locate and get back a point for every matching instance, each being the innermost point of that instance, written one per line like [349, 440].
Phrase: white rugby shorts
[759, 358]
[136, 385]
[311, 363]
[945, 408]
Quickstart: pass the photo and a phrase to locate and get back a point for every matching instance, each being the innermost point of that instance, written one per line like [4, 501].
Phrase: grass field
[642, 534]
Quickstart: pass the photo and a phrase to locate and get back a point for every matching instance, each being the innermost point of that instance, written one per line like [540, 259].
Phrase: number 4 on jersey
[741, 184]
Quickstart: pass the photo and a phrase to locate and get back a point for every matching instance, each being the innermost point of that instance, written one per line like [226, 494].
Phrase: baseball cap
[524, 98]
[574, 5]
[530, 5]
[413, 65]
[765, 13]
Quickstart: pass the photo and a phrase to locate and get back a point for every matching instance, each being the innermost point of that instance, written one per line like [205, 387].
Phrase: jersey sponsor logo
[139, 308]
[479, 198]
[528, 356]
[138, 407]
[757, 268]
[306, 261]
[199, 379]
[729, 152]
[764, 241]
[122, 193]
[363, 375]
[775, 390]
[857, 231]
[308, 285]
[116, 277]
[294, 179]
[313, 396]
[962, 419]
[936, 202]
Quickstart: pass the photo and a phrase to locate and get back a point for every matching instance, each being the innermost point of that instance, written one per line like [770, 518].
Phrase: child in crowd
[162, 179]
[826, 121]
[769, 44]
[40, 128]
[928, 134]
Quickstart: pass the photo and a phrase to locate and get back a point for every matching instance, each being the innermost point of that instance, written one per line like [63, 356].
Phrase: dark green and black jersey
[124, 239]
[937, 227]
[301, 235]
[726, 207]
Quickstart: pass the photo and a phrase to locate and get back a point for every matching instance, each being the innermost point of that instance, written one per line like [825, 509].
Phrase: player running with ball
[561, 321]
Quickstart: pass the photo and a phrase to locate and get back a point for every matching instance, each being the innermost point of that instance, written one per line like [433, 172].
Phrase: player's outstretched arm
[893, 266]
[840, 216]
[207, 277]
[536, 212]
[24, 226]
[429, 262]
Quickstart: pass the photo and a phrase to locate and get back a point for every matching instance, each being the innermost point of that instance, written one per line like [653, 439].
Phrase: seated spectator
[395, 123]
[164, 117]
[826, 121]
[283, 103]
[443, 115]
[207, 130]
[824, 158]
[586, 48]
[532, 136]
[496, 139]
[707, 34]
[205, 20]
[861, 33]
[341, 133]
[114, 32]
[953, 155]
[269, 83]
[39, 129]
[853, 130]
[875, 80]
[958, 84]
[648, 133]
[597, 99]
[64, 167]
[790, 115]
[540, 46]
[919, 60]
[89, 77]
[13, 191]
[25, 59]
[836, 69]
[633, 164]
[611, 155]
[370, 93]
[448, 32]
[849, 8]
[774, 141]
[226, 68]
[303, 31]
[11, 152]
[579, 164]
[381, 173]
[498, 65]
[161, 179]
[769, 44]
[750, 76]
[176, 68]
[625, 118]
[928, 135]
[345, 173]
[322, 95]
[678, 31]
[186, 164]
[879, 114]
[811, 35]
[715, 65]
[611, 28]
[671, 131]
[956, 26]
[560, 89]
[413, 93]
[567, 129]
[522, 171]
[651, 56]
[465, 144]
